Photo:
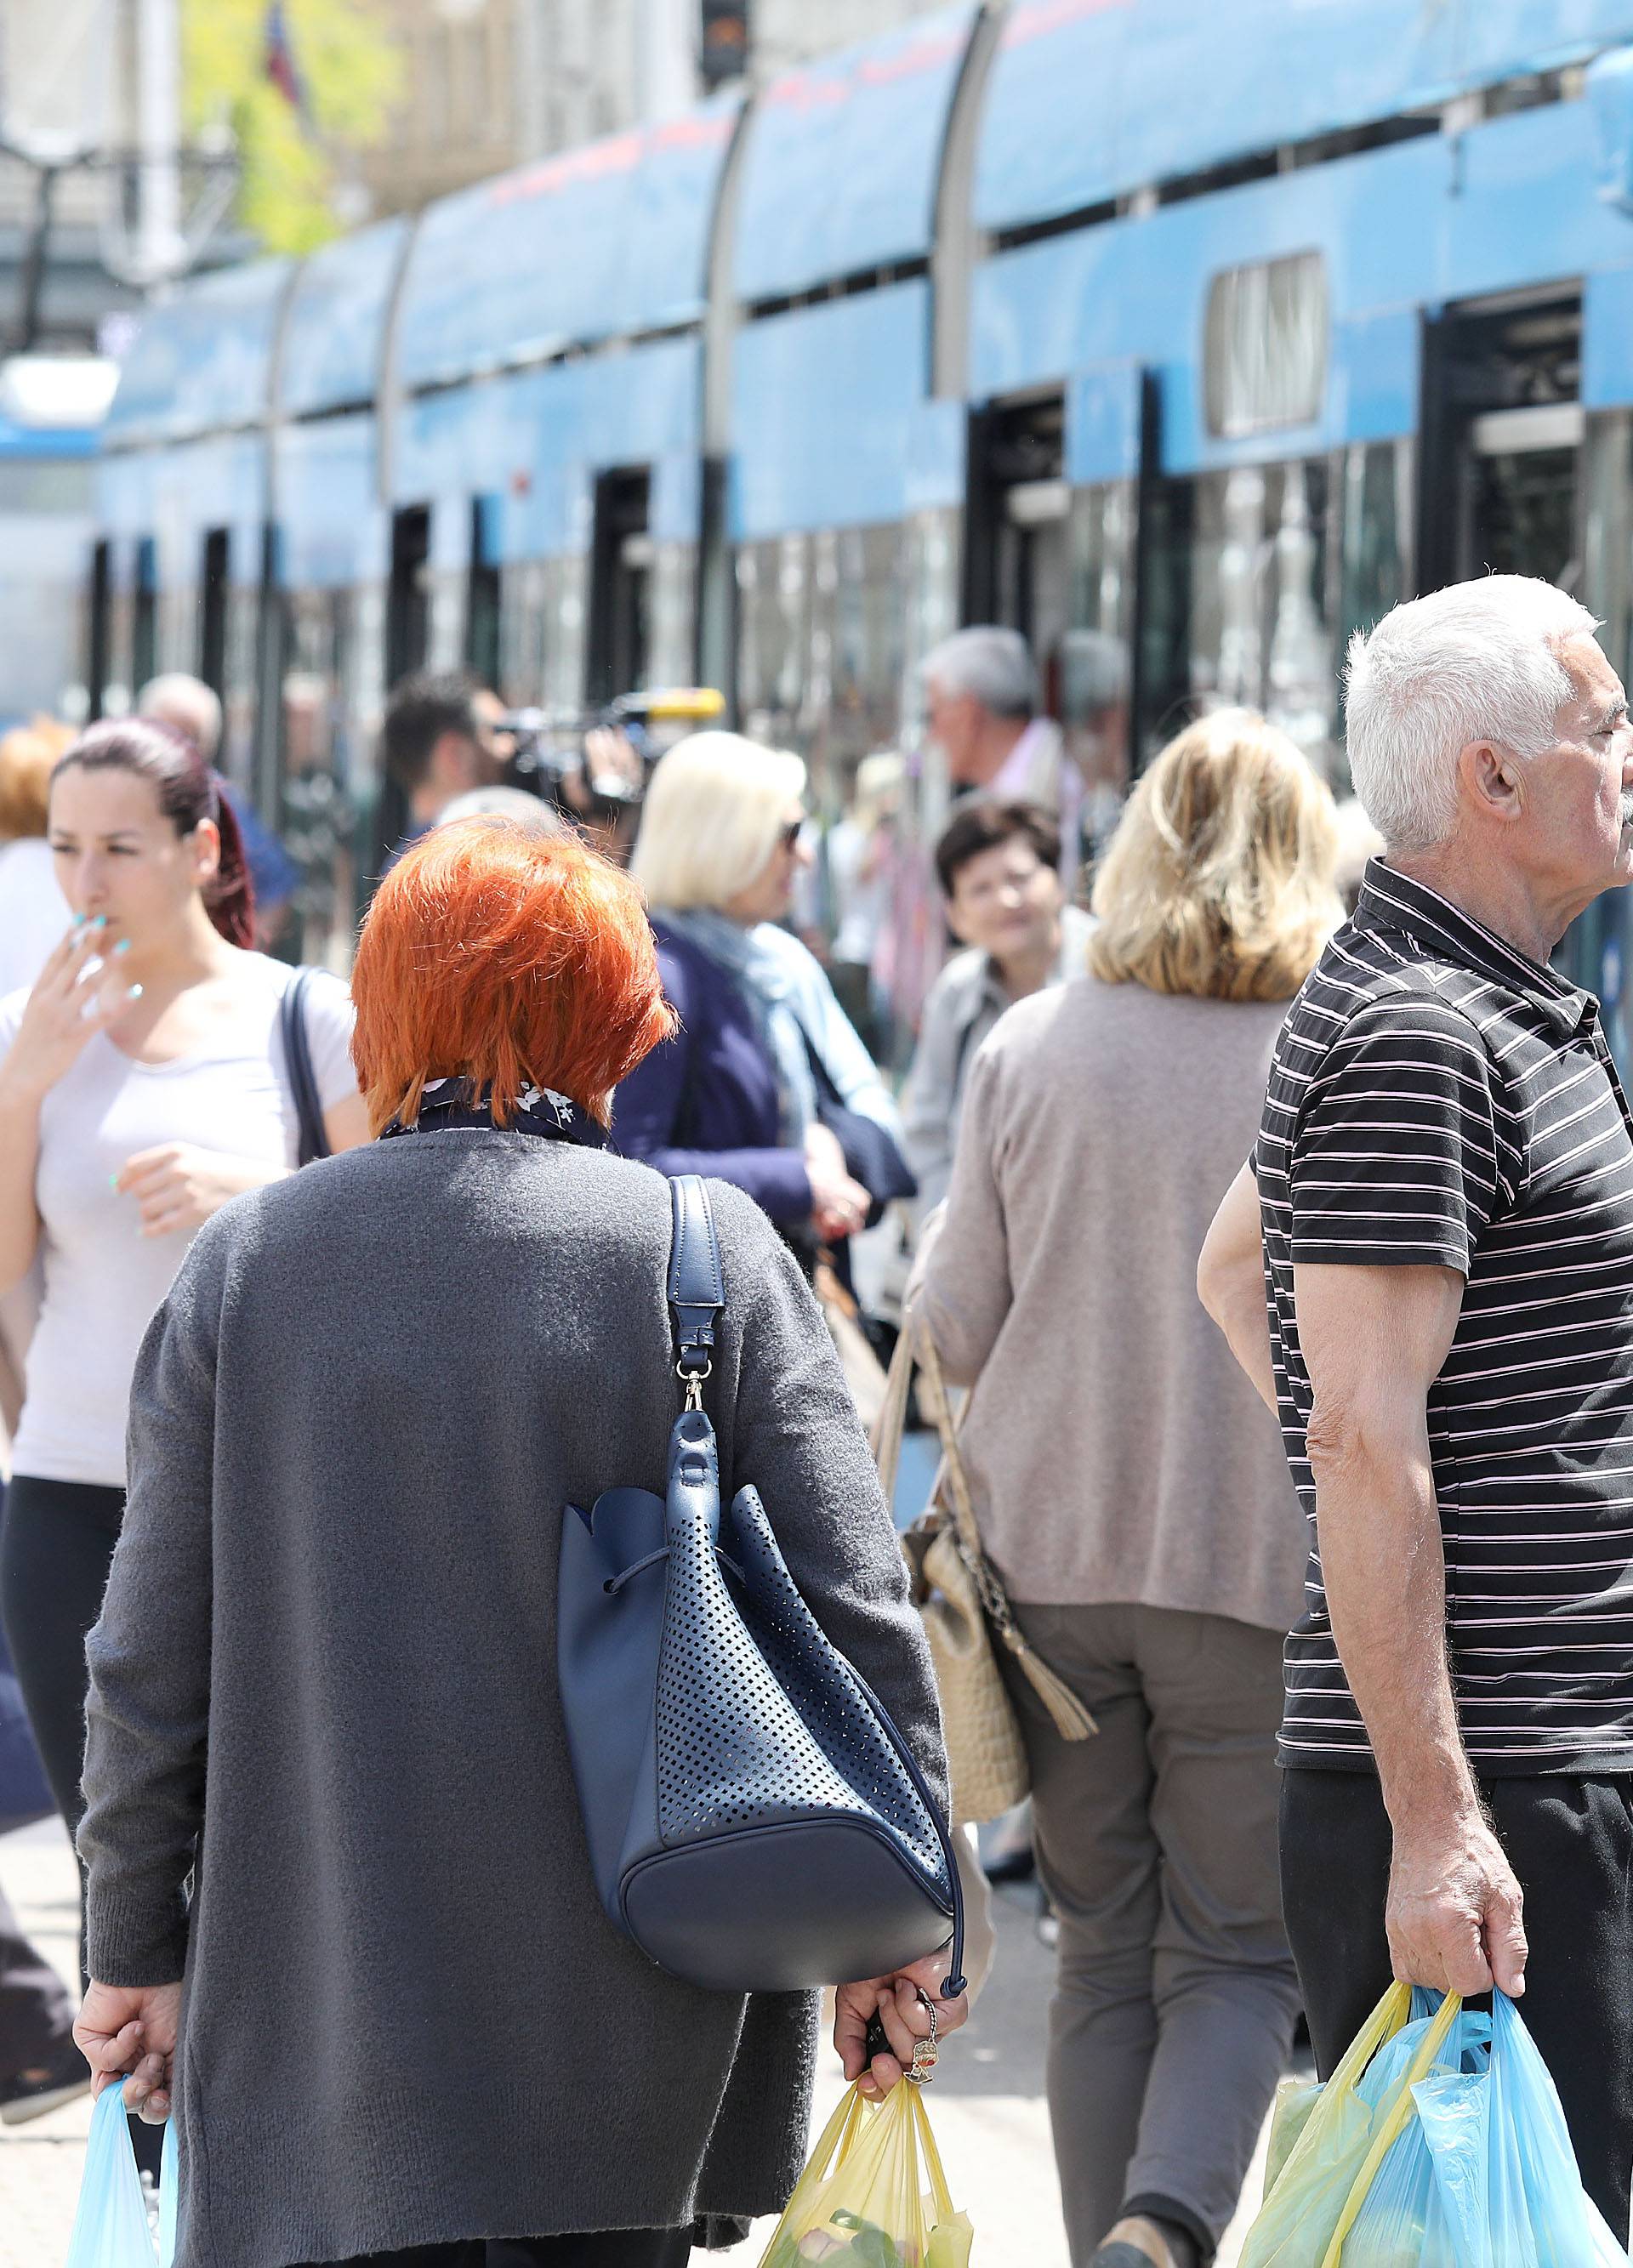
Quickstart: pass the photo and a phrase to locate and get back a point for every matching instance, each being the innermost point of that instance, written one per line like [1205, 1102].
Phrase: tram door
[145, 615]
[1501, 443]
[622, 557]
[212, 612]
[408, 630]
[99, 629]
[407, 610]
[1016, 568]
[483, 596]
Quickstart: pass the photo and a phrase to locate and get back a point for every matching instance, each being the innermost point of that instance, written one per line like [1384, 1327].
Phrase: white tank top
[103, 1279]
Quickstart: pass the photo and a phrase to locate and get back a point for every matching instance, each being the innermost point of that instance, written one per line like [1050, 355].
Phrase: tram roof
[1091, 100]
[329, 357]
[606, 241]
[200, 361]
[840, 170]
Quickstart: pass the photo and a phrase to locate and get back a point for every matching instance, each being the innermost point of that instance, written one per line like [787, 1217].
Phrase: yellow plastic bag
[1328, 2144]
[862, 2201]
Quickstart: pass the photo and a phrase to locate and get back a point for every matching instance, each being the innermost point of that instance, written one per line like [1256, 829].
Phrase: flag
[280, 60]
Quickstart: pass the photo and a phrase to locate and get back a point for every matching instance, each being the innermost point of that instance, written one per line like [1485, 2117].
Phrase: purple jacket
[706, 1102]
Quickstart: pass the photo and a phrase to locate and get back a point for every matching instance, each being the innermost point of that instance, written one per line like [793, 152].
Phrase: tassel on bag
[964, 1606]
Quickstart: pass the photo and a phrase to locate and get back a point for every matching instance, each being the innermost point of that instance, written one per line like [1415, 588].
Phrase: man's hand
[179, 1185]
[898, 2002]
[1454, 1912]
[128, 2031]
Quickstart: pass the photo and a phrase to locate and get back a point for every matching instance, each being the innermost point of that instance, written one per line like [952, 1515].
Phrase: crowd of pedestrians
[295, 1427]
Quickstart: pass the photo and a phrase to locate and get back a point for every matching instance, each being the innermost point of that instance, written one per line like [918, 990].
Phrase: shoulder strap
[696, 1286]
[314, 1141]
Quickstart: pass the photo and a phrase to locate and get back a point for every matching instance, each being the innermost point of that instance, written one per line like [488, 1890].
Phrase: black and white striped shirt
[1437, 1098]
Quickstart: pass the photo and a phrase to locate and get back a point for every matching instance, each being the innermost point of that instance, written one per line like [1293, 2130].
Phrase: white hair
[514, 804]
[715, 808]
[993, 664]
[188, 704]
[1477, 661]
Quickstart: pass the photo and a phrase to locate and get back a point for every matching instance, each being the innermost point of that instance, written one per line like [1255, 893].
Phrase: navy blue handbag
[756, 1822]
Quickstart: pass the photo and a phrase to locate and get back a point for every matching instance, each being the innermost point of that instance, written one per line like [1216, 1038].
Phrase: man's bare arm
[1230, 1282]
[1374, 1340]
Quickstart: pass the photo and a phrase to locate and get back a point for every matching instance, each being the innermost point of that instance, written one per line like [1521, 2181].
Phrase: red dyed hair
[509, 958]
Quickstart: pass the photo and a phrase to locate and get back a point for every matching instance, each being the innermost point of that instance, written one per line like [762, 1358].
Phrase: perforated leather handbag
[756, 1822]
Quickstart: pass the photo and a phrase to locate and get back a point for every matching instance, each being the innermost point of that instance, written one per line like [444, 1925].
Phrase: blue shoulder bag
[756, 1822]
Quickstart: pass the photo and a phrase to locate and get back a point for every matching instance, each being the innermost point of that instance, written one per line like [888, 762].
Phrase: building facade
[492, 84]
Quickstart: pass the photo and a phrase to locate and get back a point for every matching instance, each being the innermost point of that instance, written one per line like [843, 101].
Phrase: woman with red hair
[142, 1084]
[324, 1681]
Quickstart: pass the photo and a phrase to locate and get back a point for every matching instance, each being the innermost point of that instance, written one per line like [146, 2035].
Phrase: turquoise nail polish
[113, 1183]
[134, 993]
[123, 946]
[100, 922]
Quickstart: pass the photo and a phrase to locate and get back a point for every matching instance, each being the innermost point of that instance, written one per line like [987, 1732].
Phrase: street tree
[299, 87]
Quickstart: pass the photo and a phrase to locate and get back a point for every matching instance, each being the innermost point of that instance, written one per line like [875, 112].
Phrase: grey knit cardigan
[324, 1679]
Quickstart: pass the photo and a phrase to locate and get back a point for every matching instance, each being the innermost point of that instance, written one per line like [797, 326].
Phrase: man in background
[981, 711]
[190, 707]
[440, 740]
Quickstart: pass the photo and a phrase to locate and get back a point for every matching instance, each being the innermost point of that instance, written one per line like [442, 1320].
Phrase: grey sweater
[1116, 1453]
[325, 1667]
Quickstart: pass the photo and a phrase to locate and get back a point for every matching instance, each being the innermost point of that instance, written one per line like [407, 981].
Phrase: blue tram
[1185, 337]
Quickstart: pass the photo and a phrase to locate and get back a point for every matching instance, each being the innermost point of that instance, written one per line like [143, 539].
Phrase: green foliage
[351, 71]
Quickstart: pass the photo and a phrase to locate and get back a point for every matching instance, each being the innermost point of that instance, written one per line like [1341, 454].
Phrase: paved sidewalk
[987, 2103]
[39, 2163]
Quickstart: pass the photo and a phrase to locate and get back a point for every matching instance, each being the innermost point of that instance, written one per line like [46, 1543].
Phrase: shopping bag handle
[932, 2157]
[1399, 2111]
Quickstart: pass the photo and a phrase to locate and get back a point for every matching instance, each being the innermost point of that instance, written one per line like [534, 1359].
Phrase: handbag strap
[697, 1284]
[313, 1136]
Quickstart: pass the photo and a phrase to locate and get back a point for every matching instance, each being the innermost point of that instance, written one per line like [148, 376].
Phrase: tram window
[1265, 346]
[1092, 668]
[774, 585]
[566, 584]
[671, 623]
[1607, 495]
[316, 816]
[865, 646]
[521, 630]
[1236, 607]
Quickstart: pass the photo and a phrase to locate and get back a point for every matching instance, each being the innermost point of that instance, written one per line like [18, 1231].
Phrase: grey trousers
[1176, 1996]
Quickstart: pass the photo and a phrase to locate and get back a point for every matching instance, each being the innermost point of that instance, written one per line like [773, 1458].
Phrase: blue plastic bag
[1507, 2174]
[110, 2227]
[1438, 2143]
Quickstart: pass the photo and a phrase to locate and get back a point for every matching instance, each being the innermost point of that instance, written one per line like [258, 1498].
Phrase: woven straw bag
[963, 1608]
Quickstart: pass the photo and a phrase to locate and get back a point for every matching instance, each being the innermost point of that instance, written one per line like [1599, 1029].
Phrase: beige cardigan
[1116, 1453]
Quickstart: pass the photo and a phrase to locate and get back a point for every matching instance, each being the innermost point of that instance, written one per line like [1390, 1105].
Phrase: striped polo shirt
[1437, 1098]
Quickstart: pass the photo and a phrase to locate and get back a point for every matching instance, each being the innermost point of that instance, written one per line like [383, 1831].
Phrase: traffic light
[725, 25]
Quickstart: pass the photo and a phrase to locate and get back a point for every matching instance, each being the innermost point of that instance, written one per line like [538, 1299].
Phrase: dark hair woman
[324, 1675]
[142, 1084]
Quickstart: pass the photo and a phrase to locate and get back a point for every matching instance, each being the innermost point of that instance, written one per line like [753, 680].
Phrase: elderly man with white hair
[980, 692]
[1444, 1195]
[188, 705]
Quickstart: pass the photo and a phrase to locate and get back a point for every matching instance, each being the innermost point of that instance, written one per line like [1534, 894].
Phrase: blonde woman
[1129, 1483]
[765, 1051]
